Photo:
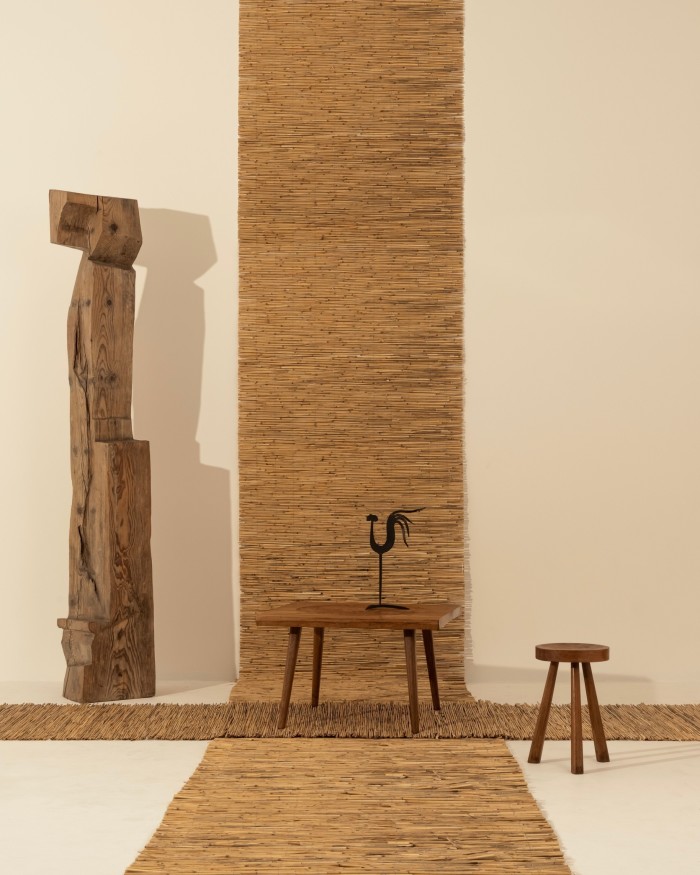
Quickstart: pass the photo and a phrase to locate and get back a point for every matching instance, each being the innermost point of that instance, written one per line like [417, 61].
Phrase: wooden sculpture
[108, 634]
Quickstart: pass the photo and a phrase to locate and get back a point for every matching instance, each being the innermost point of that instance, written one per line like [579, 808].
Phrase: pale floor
[68, 808]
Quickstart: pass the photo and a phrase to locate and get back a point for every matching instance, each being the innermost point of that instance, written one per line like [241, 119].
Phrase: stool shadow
[631, 759]
[678, 750]
[476, 673]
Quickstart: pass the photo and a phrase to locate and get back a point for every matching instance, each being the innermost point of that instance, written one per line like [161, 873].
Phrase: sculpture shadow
[191, 510]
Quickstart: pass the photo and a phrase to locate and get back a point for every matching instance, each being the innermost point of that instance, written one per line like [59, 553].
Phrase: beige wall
[583, 337]
[581, 328]
[135, 100]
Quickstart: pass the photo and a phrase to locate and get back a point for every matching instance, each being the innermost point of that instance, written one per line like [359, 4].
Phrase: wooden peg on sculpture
[108, 634]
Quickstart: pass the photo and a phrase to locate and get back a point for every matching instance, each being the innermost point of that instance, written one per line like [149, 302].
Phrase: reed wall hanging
[351, 266]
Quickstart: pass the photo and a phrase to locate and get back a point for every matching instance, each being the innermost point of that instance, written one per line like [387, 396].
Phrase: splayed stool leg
[579, 655]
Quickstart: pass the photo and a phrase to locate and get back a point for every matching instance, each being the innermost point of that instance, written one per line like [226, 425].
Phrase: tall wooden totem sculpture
[108, 634]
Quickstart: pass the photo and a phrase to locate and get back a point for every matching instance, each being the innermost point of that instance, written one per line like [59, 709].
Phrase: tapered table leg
[318, 658]
[576, 730]
[409, 640]
[601, 747]
[432, 670]
[292, 651]
[543, 715]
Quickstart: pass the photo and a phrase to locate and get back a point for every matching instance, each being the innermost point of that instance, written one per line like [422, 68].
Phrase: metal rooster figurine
[397, 517]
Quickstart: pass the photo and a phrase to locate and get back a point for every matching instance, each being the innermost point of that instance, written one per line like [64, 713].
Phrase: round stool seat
[572, 652]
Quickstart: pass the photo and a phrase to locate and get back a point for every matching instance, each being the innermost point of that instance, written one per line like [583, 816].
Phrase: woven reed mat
[360, 806]
[352, 719]
[350, 318]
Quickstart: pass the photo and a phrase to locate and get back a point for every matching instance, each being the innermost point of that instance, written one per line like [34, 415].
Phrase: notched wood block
[107, 228]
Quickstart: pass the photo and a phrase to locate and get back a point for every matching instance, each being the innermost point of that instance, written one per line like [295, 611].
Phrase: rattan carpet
[299, 805]
[341, 719]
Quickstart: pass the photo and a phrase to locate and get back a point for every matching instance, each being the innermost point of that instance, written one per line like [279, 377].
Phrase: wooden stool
[575, 654]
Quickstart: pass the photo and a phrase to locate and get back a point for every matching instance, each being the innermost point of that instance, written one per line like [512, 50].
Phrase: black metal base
[385, 605]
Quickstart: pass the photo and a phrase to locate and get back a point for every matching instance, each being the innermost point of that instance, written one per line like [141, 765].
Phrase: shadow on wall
[191, 541]
[487, 679]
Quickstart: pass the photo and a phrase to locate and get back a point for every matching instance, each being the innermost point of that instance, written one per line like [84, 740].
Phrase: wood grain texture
[576, 728]
[579, 656]
[432, 670]
[597, 729]
[539, 733]
[354, 615]
[289, 669]
[565, 652]
[106, 228]
[351, 263]
[108, 634]
[317, 665]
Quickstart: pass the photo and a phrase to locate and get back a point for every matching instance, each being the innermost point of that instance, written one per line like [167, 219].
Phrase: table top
[354, 615]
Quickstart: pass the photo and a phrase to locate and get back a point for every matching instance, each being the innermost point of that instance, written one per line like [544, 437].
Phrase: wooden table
[320, 615]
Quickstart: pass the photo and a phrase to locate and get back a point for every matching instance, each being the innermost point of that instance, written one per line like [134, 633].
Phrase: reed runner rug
[340, 719]
[321, 805]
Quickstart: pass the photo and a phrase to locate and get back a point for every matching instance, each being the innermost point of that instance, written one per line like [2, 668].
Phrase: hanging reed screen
[351, 253]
